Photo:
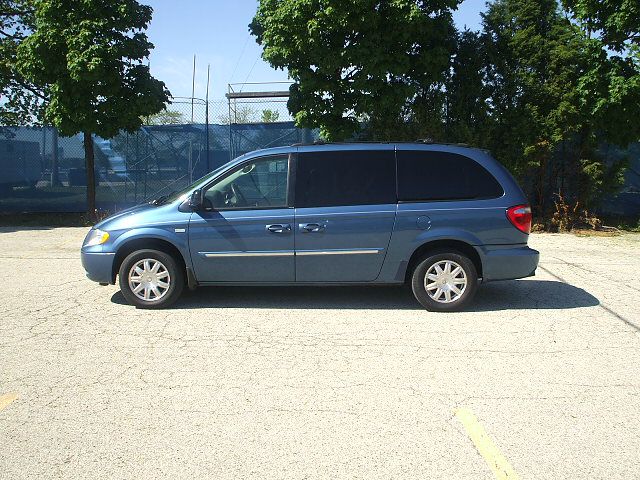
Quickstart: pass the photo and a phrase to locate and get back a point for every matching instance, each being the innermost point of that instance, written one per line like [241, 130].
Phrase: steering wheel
[238, 194]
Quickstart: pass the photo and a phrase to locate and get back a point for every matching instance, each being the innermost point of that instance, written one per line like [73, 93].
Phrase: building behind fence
[43, 172]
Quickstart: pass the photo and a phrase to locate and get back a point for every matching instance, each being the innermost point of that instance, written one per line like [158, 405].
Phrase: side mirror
[195, 202]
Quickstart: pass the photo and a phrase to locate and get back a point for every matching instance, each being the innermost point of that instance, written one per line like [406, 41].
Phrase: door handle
[312, 227]
[279, 228]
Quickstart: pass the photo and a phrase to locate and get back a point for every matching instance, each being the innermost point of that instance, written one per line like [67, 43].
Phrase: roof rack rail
[424, 141]
[349, 142]
[315, 142]
[430, 141]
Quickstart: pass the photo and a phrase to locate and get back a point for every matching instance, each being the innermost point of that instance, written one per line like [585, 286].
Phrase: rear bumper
[99, 266]
[508, 262]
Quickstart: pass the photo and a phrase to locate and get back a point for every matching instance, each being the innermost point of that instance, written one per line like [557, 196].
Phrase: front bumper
[98, 265]
[508, 262]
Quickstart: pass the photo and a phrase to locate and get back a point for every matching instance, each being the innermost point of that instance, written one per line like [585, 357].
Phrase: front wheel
[151, 279]
[444, 282]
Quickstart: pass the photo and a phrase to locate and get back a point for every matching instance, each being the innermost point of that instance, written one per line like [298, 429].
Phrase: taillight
[520, 216]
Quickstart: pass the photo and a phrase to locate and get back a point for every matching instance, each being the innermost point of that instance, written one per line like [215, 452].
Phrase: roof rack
[324, 142]
[424, 141]
[430, 141]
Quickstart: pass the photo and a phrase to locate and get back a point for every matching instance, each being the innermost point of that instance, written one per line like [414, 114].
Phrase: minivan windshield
[172, 196]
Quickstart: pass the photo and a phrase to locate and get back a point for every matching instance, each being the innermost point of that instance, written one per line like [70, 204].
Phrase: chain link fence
[43, 172]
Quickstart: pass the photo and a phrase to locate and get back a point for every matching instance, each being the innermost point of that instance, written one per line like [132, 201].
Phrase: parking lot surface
[540, 376]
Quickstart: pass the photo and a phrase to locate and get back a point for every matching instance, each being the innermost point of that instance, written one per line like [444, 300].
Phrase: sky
[216, 31]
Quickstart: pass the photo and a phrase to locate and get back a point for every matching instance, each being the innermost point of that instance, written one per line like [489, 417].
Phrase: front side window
[348, 177]
[438, 176]
[261, 183]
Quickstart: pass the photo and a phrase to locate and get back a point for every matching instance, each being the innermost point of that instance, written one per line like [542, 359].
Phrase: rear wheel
[151, 279]
[444, 281]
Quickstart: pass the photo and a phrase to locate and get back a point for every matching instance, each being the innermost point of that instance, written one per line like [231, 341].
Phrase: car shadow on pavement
[508, 295]
[530, 294]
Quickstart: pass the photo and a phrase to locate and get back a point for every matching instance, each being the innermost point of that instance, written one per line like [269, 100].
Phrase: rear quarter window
[432, 176]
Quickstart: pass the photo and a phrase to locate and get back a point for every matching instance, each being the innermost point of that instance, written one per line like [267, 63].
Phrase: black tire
[175, 277]
[419, 288]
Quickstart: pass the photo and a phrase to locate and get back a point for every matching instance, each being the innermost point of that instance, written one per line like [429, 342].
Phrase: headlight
[96, 237]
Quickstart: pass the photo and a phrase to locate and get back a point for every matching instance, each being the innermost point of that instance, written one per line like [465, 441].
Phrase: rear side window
[325, 179]
[430, 176]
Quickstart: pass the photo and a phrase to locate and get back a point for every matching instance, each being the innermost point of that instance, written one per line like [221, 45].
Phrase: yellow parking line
[6, 399]
[478, 435]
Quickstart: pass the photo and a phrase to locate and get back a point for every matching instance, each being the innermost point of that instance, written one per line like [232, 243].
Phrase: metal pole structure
[230, 131]
[43, 153]
[206, 119]
[193, 86]
[193, 93]
[146, 161]
[233, 97]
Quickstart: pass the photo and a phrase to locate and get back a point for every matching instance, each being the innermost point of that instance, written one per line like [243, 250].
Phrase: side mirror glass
[195, 202]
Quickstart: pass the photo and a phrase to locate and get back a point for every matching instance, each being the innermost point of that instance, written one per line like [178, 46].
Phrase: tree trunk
[55, 168]
[91, 176]
[542, 182]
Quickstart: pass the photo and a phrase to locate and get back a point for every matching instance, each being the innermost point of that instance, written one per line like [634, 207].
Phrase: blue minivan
[441, 218]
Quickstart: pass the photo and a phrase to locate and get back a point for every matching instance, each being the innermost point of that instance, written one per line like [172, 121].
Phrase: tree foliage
[467, 107]
[556, 95]
[165, 117]
[21, 101]
[88, 57]
[616, 22]
[543, 85]
[269, 116]
[357, 61]
[533, 69]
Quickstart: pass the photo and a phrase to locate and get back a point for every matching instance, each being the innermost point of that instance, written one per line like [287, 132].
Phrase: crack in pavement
[605, 307]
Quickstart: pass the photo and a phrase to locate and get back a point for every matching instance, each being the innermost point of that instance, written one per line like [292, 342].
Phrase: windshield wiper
[162, 199]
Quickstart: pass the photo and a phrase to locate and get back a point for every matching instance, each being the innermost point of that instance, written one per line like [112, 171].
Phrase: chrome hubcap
[445, 281]
[149, 280]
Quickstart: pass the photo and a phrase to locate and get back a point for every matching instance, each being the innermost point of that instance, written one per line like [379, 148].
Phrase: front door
[244, 232]
[345, 211]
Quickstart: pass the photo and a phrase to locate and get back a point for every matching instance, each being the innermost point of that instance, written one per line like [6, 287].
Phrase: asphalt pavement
[538, 379]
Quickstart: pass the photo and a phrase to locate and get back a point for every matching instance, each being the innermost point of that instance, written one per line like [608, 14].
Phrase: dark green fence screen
[43, 172]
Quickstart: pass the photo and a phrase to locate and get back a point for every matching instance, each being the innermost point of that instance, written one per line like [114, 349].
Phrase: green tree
[615, 22]
[556, 94]
[88, 57]
[466, 106]
[534, 61]
[610, 84]
[240, 114]
[269, 116]
[21, 102]
[609, 89]
[609, 92]
[165, 117]
[358, 61]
